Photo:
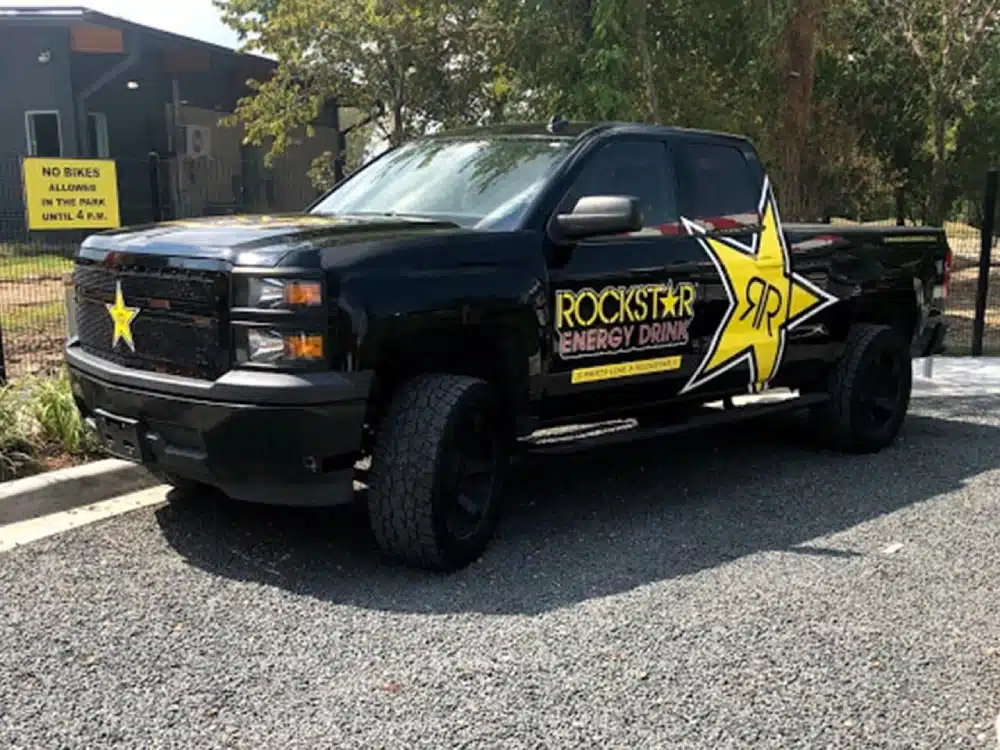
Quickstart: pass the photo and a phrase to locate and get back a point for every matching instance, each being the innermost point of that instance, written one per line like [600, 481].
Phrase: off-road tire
[840, 423]
[406, 500]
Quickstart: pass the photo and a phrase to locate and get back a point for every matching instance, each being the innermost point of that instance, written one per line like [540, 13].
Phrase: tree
[575, 58]
[873, 105]
[977, 140]
[950, 42]
[405, 55]
[797, 60]
[859, 108]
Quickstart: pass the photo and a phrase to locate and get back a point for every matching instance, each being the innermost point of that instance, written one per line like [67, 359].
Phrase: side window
[638, 168]
[718, 189]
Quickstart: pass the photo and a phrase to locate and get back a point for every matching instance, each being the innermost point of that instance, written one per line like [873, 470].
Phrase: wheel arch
[498, 352]
[901, 308]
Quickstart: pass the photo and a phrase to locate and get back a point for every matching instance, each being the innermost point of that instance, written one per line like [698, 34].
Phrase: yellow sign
[625, 369]
[122, 317]
[766, 300]
[71, 193]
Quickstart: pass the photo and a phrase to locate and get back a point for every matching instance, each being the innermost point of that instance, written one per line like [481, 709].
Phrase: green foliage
[394, 53]
[58, 420]
[902, 114]
[39, 419]
[321, 172]
[16, 452]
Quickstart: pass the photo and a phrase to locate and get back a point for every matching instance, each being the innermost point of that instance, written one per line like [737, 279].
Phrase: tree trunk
[800, 64]
[498, 109]
[398, 128]
[939, 185]
[642, 29]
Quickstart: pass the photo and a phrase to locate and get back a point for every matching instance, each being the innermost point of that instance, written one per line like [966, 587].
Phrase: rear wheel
[437, 472]
[869, 392]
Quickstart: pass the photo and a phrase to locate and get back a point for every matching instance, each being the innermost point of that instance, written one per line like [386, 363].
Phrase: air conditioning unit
[197, 141]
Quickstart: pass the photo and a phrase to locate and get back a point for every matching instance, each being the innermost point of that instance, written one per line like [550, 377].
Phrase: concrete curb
[65, 489]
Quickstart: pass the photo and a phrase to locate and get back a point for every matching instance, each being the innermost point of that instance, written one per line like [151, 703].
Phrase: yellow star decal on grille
[766, 300]
[122, 317]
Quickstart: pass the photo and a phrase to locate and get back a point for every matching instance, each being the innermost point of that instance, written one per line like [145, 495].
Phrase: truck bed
[797, 232]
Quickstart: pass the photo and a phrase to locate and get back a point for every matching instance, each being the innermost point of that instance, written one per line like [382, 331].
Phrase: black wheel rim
[470, 475]
[881, 391]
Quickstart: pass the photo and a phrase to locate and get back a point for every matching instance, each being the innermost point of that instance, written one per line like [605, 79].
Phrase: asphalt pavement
[732, 589]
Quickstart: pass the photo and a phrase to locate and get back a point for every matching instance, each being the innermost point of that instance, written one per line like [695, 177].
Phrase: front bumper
[275, 438]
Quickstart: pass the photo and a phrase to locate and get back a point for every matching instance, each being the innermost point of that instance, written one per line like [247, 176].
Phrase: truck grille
[181, 326]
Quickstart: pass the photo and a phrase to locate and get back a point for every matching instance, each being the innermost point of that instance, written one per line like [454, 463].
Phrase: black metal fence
[973, 305]
[35, 267]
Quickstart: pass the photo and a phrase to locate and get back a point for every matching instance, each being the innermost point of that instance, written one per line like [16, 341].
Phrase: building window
[44, 134]
[97, 136]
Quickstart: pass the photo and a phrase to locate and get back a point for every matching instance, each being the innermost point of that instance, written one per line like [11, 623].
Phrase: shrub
[16, 450]
[38, 418]
[57, 417]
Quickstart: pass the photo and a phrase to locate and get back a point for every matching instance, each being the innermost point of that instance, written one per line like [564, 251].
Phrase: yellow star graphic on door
[766, 300]
[122, 317]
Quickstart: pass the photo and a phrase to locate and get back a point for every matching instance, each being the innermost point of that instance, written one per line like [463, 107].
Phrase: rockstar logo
[766, 301]
[122, 317]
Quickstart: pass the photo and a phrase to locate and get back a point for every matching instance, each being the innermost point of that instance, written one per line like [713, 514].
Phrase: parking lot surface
[732, 589]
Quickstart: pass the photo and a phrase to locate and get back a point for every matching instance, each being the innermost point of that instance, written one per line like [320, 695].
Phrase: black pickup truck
[442, 307]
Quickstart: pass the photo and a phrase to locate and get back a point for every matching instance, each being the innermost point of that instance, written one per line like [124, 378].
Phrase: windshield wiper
[391, 215]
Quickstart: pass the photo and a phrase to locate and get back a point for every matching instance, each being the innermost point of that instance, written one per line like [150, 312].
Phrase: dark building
[83, 84]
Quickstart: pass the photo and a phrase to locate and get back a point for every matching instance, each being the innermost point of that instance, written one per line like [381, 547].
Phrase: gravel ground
[730, 590]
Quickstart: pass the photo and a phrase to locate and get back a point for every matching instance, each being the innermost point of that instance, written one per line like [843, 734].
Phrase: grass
[40, 428]
[29, 267]
[33, 317]
[32, 306]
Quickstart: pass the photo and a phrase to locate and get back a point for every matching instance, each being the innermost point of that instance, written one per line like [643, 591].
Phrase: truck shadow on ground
[597, 524]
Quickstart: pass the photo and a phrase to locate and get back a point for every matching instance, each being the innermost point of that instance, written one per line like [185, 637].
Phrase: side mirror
[596, 215]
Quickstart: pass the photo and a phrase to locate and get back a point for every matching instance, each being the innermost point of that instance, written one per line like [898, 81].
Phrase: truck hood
[259, 240]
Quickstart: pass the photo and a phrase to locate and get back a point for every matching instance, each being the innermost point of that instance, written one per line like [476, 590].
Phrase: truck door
[627, 310]
[758, 337]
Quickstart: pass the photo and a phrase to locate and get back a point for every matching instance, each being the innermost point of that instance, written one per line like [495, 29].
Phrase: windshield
[480, 183]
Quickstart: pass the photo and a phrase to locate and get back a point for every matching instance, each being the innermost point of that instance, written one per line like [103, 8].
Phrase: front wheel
[437, 472]
[869, 392]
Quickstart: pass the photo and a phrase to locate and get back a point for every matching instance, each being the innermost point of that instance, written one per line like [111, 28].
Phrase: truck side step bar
[585, 437]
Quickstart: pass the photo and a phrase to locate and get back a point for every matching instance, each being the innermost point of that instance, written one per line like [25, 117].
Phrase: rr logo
[764, 300]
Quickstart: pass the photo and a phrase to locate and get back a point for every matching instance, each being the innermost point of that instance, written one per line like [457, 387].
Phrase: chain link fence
[36, 267]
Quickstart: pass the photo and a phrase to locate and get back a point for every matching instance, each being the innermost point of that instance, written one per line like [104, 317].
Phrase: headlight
[265, 346]
[275, 293]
